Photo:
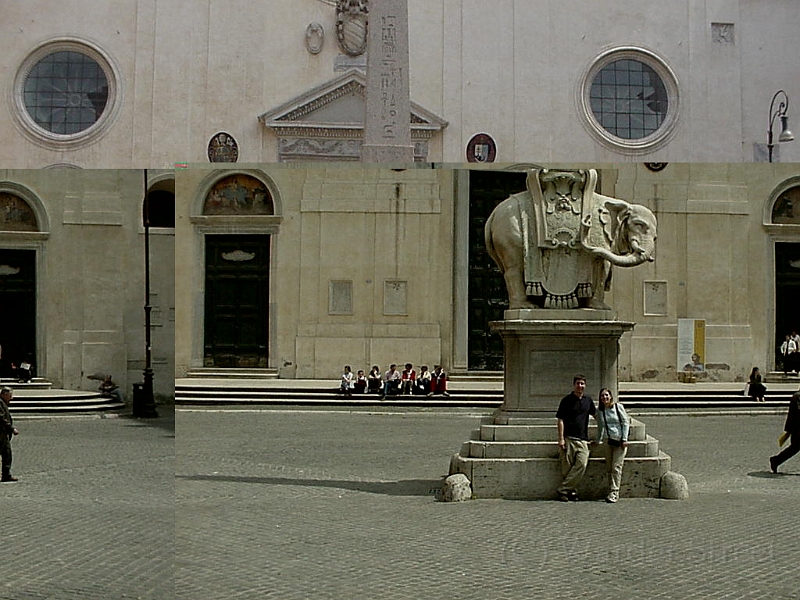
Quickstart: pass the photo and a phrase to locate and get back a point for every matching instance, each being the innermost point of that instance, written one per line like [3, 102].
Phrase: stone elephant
[556, 242]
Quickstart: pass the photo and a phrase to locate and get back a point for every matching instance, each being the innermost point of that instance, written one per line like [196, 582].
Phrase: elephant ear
[603, 225]
[612, 216]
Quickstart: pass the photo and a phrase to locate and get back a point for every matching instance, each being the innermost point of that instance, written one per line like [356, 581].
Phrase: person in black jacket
[7, 431]
[792, 428]
[573, 415]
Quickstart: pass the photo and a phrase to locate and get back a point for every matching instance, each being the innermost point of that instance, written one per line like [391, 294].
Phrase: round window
[65, 92]
[629, 100]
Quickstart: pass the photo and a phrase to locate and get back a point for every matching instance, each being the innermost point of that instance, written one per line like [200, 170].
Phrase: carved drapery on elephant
[556, 242]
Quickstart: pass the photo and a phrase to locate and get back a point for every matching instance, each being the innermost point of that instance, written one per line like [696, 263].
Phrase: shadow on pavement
[409, 487]
[771, 475]
[165, 419]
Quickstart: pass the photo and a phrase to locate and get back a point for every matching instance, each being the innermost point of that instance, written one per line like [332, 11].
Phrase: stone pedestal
[545, 349]
[515, 452]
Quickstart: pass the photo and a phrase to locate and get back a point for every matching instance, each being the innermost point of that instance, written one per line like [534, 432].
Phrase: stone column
[388, 115]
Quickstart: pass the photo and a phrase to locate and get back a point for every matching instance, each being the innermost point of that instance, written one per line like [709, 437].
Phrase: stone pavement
[93, 515]
[328, 504]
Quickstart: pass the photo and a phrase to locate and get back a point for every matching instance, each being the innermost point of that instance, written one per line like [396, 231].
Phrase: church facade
[146, 84]
[72, 276]
[299, 270]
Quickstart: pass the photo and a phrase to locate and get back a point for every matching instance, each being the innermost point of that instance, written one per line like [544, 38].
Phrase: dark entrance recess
[18, 306]
[787, 293]
[237, 301]
[487, 291]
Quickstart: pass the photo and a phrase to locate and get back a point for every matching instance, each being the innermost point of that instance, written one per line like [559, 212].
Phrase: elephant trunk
[623, 260]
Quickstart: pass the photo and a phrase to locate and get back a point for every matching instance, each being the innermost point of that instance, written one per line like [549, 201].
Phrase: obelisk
[387, 128]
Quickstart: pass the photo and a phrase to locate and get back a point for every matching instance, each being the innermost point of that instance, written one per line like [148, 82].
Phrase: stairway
[521, 460]
[465, 392]
[38, 396]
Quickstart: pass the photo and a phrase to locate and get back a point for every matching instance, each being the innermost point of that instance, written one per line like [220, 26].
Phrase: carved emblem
[560, 208]
[315, 37]
[351, 26]
[223, 148]
[481, 148]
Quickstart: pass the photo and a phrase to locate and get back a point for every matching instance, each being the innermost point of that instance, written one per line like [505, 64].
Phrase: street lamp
[786, 135]
[144, 404]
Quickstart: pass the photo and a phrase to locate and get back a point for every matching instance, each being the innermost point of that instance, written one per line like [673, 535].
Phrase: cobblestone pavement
[286, 504]
[93, 514]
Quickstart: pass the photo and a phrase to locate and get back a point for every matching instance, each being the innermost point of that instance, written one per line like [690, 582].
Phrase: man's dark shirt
[575, 413]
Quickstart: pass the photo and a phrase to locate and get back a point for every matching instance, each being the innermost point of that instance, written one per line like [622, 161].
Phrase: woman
[346, 386]
[756, 389]
[375, 380]
[613, 426]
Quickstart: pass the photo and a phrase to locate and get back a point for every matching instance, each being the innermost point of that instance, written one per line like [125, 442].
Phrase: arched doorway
[22, 221]
[237, 260]
[784, 223]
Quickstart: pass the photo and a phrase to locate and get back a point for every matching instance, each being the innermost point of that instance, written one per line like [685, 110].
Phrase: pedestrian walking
[7, 431]
[613, 426]
[791, 430]
[573, 415]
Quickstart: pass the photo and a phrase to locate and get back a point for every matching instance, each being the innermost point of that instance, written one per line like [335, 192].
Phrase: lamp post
[785, 135]
[144, 404]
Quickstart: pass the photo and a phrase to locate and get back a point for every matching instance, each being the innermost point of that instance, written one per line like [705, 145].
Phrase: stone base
[543, 355]
[377, 153]
[522, 461]
[538, 478]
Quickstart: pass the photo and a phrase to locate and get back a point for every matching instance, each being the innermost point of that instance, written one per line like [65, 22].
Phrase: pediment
[337, 107]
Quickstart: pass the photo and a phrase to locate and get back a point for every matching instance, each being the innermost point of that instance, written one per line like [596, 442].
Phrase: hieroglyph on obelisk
[388, 114]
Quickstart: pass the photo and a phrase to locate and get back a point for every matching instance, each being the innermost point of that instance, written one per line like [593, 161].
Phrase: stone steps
[523, 461]
[39, 396]
[242, 391]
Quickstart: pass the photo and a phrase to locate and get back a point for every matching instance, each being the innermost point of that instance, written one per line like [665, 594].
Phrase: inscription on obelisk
[388, 115]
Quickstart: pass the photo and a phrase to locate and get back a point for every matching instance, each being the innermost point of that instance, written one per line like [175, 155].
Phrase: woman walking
[613, 426]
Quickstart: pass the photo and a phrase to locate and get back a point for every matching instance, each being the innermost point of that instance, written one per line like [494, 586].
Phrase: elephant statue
[556, 242]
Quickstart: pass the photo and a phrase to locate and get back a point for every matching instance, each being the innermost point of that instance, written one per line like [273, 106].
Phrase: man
[792, 429]
[788, 348]
[573, 437]
[391, 381]
[7, 430]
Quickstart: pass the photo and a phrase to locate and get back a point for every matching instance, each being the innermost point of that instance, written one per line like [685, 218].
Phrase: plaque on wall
[655, 298]
[481, 148]
[222, 148]
[395, 297]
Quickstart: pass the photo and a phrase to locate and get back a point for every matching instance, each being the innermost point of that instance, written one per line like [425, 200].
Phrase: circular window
[629, 100]
[65, 93]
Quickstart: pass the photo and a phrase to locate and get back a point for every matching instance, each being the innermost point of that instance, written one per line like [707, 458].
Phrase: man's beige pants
[573, 464]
